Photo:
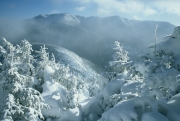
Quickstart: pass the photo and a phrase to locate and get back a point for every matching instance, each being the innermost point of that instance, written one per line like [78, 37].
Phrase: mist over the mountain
[89, 37]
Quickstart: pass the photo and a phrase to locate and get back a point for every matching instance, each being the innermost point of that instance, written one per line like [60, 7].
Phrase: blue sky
[158, 10]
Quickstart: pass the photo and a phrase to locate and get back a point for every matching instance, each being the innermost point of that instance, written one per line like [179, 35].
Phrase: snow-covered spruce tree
[44, 65]
[27, 60]
[121, 63]
[71, 83]
[21, 102]
[61, 75]
[44, 56]
[126, 84]
[72, 98]
[161, 75]
[120, 58]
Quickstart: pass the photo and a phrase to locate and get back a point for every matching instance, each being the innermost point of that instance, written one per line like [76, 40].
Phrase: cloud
[81, 1]
[171, 7]
[125, 6]
[109, 7]
[136, 18]
[134, 7]
[54, 11]
[149, 11]
[103, 11]
[80, 8]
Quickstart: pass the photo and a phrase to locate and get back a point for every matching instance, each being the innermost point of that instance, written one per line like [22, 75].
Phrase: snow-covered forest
[34, 86]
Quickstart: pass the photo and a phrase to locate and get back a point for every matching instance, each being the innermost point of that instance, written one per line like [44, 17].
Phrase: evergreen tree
[41, 65]
[120, 58]
[72, 98]
[21, 102]
[121, 63]
[27, 60]
[61, 75]
[161, 75]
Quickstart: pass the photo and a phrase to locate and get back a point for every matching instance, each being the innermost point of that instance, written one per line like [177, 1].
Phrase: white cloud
[134, 7]
[82, 1]
[103, 11]
[149, 11]
[171, 7]
[80, 8]
[136, 18]
[54, 11]
[126, 6]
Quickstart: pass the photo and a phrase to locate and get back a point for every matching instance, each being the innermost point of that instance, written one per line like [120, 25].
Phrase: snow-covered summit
[65, 18]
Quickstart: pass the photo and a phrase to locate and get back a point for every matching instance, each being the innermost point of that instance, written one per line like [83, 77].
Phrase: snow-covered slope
[77, 65]
[65, 103]
[171, 44]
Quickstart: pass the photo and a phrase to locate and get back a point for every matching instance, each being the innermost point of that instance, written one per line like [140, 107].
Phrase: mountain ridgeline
[78, 66]
[89, 37]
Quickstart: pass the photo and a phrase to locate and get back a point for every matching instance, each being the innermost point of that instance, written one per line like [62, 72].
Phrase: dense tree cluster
[23, 77]
[147, 90]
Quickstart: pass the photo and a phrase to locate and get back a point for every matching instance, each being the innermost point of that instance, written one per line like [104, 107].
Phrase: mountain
[78, 66]
[90, 37]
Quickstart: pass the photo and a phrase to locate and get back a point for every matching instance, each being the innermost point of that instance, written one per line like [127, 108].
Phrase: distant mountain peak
[92, 37]
[65, 18]
[43, 15]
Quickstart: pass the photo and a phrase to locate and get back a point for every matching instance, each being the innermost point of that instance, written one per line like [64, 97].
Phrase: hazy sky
[159, 10]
